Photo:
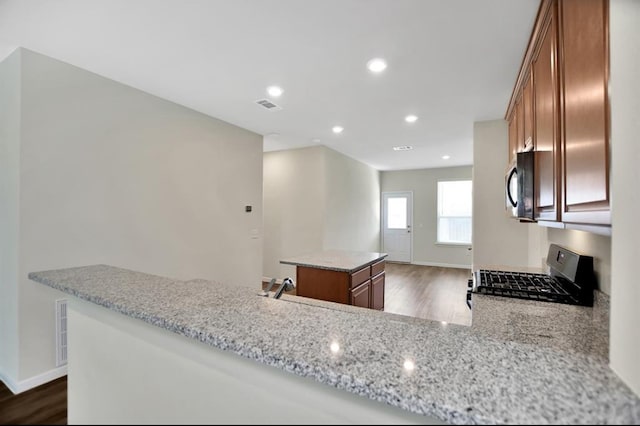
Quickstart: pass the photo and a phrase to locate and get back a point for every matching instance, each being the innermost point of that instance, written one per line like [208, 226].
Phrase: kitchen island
[349, 277]
[145, 349]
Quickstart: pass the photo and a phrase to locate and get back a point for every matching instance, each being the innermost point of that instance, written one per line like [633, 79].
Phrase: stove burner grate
[524, 286]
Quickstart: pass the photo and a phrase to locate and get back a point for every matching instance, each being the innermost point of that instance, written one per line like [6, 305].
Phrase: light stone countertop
[581, 329]
[461, 375]
[335, 260]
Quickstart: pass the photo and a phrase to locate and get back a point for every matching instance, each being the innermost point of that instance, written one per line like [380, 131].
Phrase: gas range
[570, 280]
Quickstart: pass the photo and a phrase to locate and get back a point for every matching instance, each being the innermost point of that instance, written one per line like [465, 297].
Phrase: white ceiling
[451, 62]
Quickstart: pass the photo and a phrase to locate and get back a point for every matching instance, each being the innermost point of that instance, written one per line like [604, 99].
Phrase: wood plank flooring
[428, 292]
[44, 405]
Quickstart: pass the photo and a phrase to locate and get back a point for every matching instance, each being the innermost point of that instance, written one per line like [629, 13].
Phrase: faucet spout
[287, 285]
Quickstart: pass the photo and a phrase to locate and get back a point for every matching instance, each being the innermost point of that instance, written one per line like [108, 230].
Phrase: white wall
[625, 197]
[424, 183]
[317, 199]
[294, 206]
[9, 213]
[352, 212]
[110, 174]
[497, 239]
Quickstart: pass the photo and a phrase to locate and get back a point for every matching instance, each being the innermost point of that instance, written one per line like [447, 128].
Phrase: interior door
[397, 236]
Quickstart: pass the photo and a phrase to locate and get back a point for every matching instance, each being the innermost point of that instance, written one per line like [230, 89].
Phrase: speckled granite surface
[567, 327]
[460, 375]
[335, 260]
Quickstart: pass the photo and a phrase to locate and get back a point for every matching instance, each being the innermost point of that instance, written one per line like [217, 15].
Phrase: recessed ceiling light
[337, 129]
[411, 118]
[377, 65]
[446, 157]
[403, 148]
[274, 91]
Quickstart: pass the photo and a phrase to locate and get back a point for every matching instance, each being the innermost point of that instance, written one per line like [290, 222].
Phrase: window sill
[453, 244]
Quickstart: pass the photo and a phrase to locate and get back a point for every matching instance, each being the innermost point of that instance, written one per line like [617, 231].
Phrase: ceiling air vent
[402, 148]
[266, 103]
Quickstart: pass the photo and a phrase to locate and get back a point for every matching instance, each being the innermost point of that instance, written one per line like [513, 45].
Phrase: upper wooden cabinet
[585, 112]
[520, 131]
[547, 119]
[513, 137]
[564, 78]
[527, 114]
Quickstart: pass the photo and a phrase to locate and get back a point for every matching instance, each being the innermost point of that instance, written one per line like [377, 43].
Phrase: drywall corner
[10, 101]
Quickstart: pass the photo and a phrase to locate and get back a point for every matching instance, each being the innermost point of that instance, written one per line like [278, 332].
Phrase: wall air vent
[266, 103]
[61, 332]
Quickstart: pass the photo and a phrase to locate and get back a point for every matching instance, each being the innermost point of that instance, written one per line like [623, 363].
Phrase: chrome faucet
[287, 284]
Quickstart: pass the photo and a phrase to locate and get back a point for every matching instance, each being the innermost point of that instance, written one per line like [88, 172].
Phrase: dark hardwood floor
[44, 405]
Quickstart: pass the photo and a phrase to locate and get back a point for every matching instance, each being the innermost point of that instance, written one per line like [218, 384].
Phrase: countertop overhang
[336, 260]
[458, 375]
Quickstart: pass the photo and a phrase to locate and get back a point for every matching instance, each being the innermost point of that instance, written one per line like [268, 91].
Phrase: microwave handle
[513, 172]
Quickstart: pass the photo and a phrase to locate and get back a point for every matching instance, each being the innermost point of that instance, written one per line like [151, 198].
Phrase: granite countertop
[460, 375]
[335, 260]
[581, 329]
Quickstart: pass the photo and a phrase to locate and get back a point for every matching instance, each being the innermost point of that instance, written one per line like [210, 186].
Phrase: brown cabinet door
[513, 136]
[585, 118]
[527, 112]
[377, 292]
[516, 130]
[360, 295]
[520, 127]
[545, 100]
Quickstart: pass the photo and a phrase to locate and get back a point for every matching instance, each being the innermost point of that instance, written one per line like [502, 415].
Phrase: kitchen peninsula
[150, 349]
[350, 277]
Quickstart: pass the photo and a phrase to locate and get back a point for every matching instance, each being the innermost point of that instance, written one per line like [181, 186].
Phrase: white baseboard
[32, 382]
[443, 265]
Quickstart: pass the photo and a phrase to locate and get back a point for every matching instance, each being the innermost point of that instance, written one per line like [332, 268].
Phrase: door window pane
[396, 213]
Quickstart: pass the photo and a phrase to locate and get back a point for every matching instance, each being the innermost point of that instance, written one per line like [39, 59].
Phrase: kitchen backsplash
[586, 243]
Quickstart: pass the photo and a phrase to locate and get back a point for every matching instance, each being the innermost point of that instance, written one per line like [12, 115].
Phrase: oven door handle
[513, 172]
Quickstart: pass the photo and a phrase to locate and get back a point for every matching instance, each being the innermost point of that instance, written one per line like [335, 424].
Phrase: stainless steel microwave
[519, 187]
